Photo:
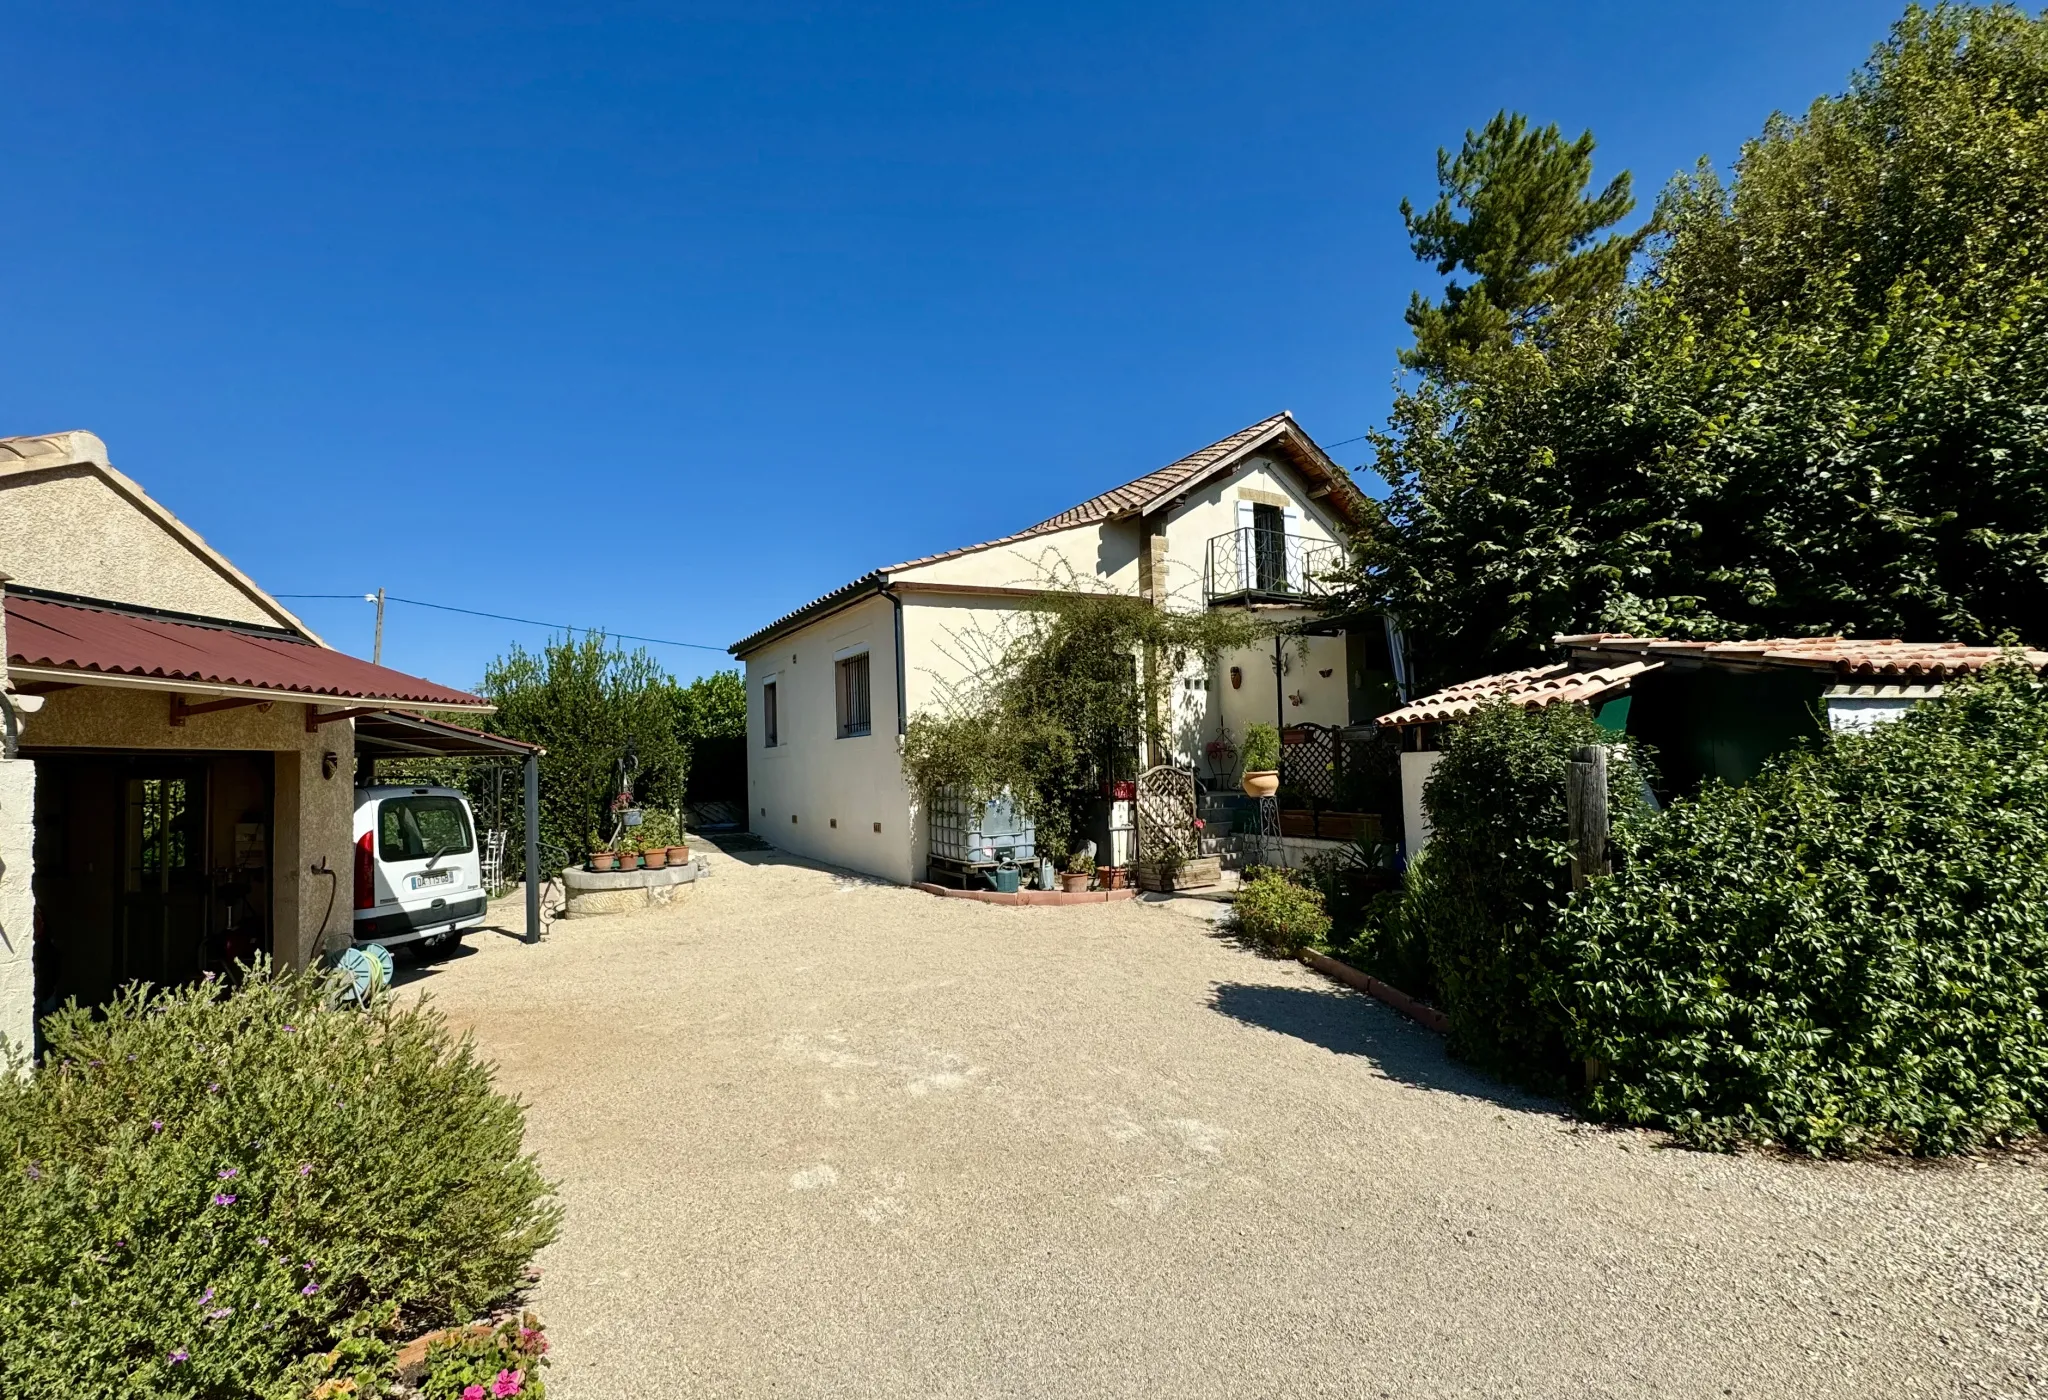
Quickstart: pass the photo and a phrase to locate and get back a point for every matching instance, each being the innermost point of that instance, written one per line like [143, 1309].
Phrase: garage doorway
[149, 867]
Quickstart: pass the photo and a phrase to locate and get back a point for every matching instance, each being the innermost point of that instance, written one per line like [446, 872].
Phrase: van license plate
[432, 878]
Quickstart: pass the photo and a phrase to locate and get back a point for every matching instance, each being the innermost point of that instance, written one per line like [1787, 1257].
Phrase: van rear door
[426, 853]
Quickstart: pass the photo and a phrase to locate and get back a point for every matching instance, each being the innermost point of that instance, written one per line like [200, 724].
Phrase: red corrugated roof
[107, 641]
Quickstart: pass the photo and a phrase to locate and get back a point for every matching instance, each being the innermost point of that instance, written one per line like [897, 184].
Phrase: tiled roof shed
[1560, 683]
[1601, 665]
[1851, 658]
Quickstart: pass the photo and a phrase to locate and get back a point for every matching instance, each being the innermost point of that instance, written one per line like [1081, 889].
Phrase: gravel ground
[819, 1137]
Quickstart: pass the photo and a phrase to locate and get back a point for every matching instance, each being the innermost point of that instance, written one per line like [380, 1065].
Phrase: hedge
[1848, 953]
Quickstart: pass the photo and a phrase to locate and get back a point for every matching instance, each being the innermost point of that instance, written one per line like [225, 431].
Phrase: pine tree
[1514, 214]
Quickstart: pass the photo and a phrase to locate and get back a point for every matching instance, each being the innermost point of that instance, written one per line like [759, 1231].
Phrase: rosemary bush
[201, 1189]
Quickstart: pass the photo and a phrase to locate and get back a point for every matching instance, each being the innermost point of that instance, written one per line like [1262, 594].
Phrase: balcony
[1252, 565]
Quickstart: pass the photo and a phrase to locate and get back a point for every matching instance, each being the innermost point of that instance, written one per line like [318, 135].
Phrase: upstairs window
[768, 736]
[853, 696]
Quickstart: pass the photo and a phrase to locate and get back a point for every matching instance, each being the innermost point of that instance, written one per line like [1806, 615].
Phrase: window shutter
[1295, 549]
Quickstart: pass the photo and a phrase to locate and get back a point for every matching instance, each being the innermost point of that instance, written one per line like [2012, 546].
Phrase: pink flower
[222, 1198]
[508, 1383]
[181, 1356]
[309, 1290]
[474, 1392]
[228, 1173]
[305, 1169]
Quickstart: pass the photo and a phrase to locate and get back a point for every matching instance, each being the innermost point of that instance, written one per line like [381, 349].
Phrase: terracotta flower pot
[678, 855]
[656, 858]
[1073, 881]
[629, 860]
[1261, 783]
[604, 860]
[1112, 877]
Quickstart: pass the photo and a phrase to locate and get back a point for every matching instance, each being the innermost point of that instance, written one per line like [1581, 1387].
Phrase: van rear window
[414, 828]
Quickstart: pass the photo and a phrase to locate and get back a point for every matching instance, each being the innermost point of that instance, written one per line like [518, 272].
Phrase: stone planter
[625, 891]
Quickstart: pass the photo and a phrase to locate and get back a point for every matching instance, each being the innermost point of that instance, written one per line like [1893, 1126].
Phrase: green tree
[587, 703]
[1515, 215]
[1819, 408]
[713, 707]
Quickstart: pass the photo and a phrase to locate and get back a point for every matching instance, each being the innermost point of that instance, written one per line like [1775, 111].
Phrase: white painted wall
[950, 637]
[1415, 770]
[815, 794]
[17, 905]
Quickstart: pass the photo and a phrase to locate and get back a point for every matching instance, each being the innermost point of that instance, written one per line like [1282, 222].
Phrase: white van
[419, 878]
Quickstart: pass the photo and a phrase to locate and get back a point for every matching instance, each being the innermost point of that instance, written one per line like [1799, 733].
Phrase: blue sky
[668, 318]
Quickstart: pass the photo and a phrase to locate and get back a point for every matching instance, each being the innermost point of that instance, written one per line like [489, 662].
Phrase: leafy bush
[1850, 952]
[200, 1187]
[1497, 872]
[1390, 942]
[1277, 913]
[488, 1364]
[1261, 748]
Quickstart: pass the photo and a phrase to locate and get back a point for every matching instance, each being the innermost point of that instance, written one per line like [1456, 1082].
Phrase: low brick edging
[1427, 1016]
[1029, 896]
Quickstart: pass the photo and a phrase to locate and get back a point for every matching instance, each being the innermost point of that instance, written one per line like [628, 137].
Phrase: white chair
[494, 861]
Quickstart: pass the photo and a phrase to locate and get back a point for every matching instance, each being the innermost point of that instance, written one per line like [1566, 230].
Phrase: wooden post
[1585, 805]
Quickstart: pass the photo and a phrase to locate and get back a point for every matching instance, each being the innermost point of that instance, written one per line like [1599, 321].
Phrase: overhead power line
[506, 617]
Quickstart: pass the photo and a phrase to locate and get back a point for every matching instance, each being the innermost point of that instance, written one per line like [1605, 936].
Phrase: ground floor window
[853, 696]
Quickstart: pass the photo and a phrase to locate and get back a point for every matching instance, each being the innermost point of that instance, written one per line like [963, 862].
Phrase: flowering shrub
[478, 1365]
[208, 1193]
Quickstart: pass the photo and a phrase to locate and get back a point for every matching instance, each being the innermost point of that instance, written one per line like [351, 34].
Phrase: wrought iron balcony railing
[1266, 564]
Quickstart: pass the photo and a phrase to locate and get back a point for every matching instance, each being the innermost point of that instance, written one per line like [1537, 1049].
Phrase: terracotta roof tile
[1560, 683]
[1133, 496]
[1846, 656]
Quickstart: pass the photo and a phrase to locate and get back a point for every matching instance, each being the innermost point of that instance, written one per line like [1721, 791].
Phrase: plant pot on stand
[1259, 783]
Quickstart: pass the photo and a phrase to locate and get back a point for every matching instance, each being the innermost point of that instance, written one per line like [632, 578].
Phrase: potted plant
[652, 856]
[600, 858]
[1112, 877]
[1261, 760]
[629, 853]
[1074, 879]
[678, 854]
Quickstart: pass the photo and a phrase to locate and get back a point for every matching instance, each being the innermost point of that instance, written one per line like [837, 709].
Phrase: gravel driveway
[819, 1137]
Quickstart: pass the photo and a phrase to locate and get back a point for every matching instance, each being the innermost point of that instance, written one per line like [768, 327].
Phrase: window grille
[768, 735]
[853, 696]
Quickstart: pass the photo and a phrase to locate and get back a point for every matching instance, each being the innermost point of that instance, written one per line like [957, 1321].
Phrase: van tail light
[366, 872]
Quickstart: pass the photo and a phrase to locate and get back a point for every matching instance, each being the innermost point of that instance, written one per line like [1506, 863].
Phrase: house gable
[71, 524]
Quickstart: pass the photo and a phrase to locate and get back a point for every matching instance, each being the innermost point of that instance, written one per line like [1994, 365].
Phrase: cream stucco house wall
[1245, 522]
[165, 717]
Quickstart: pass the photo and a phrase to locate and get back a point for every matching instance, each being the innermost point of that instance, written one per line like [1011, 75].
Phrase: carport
[390, 734]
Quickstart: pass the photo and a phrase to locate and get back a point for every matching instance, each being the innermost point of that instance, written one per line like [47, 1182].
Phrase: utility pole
[377, 651]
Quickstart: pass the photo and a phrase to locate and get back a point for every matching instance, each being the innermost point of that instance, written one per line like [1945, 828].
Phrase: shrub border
[1427, 1017]
[1030, 896]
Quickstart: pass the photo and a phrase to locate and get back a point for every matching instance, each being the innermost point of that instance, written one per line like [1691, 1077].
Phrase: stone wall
[17, 905]
[313, 815]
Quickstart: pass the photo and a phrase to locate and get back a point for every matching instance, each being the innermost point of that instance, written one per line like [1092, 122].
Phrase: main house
[1257, 520]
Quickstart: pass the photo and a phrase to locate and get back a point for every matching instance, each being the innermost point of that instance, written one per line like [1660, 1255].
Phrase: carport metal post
[533, 845]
